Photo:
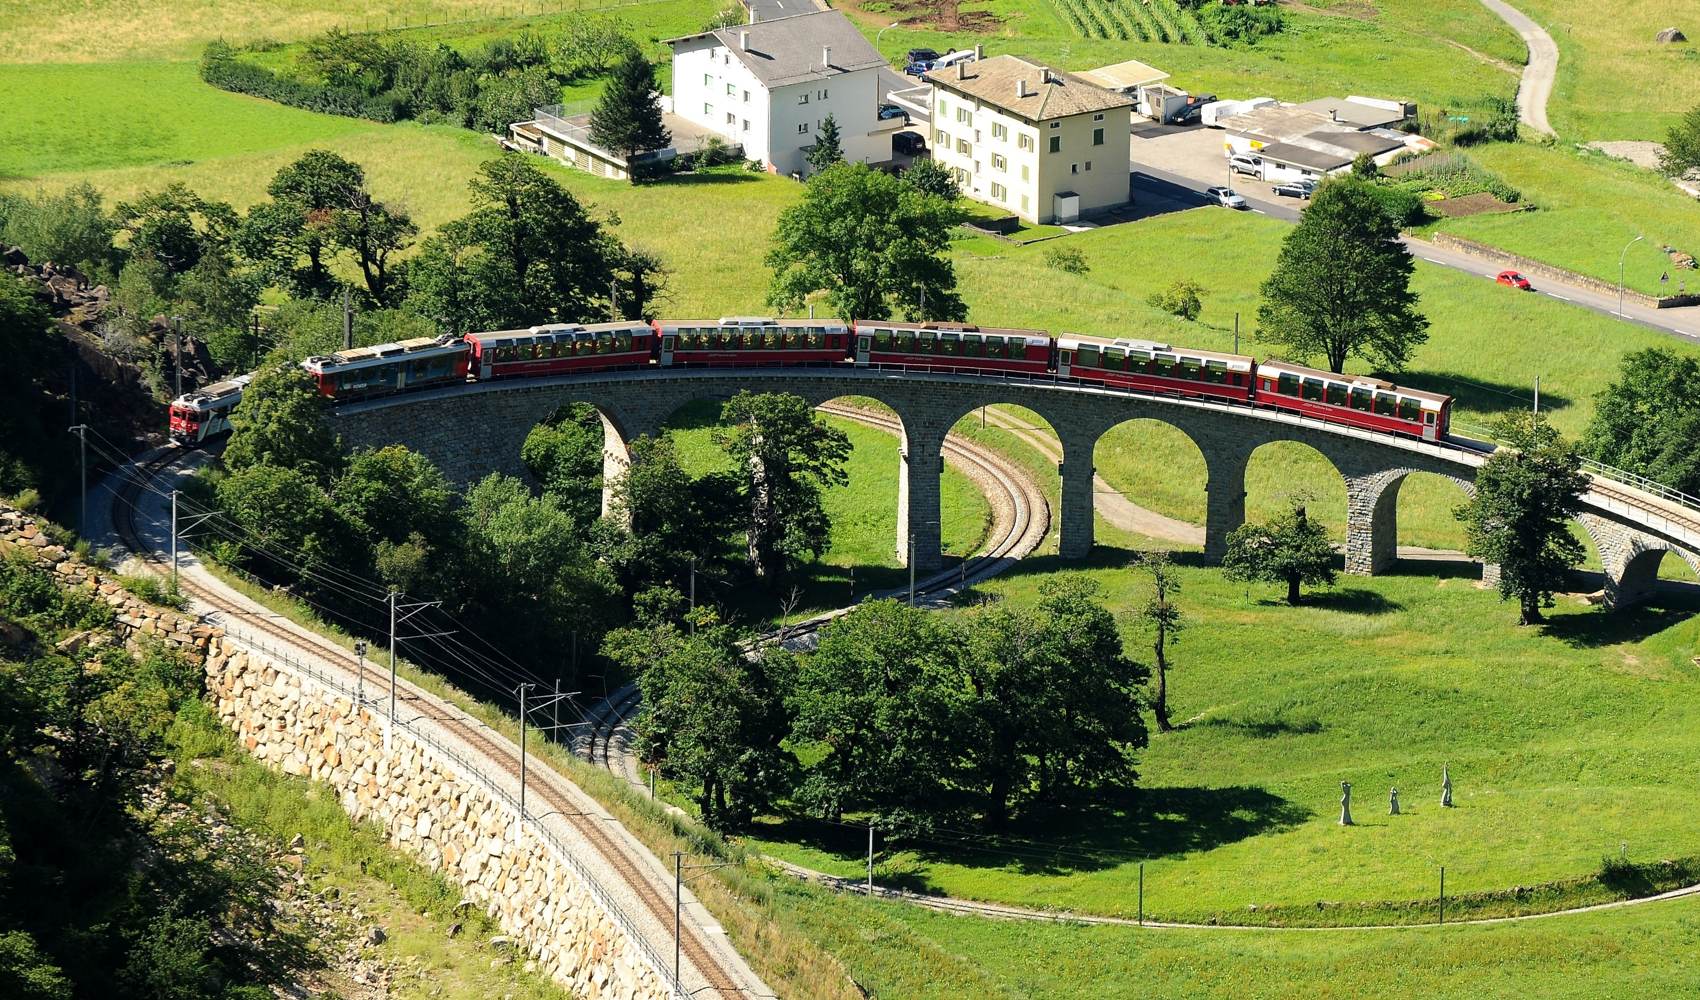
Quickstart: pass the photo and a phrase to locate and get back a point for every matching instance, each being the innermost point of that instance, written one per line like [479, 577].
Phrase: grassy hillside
[1614, 81]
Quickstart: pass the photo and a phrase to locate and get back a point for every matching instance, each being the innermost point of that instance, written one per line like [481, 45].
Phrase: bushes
[1242, 23]
[221, 68]
[1453, 175]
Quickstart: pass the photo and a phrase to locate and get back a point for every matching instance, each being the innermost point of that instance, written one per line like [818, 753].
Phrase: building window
[1056, 124]
[731, 91]
[963, 114]
[1000, 131]
[708, 79]
[802, 128]
[708, 109]
[823, 94]
[964, 147]
[1000, 192]
[942, 111]
[1024, 141]
[941, 139]
[1074, 168]
[731, 119]
[746, 97]
[802, 98]
[1097, 137]
[1024, 203]
[1098, 117]
[1024, 174]
[999, 163]
[1088, 166]
[1056, 143]
[746, 124]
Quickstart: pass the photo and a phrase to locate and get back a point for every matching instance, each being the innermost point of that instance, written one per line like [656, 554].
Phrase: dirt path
[1539, 72]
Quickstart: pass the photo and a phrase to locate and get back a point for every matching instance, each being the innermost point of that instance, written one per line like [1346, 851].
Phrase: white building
[1045, 145]
[768, 85]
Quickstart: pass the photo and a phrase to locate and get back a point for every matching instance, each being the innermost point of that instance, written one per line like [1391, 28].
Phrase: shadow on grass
[1120, 828]
[1264, 729]
[714, 175]
[1482, 398]
[1436, 568]
[1605, 626]
[1352, 600]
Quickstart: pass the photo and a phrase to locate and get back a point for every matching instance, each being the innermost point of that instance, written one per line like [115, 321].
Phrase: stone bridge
[475, 429]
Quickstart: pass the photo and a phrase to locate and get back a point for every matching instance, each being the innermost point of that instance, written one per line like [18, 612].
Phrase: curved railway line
[544, 784]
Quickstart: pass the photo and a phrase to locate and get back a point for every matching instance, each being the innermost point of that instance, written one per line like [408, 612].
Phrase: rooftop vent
[744, 40]
[1020, 86]
[825, 56]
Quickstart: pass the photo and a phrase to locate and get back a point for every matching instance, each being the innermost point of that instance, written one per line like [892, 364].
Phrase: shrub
[1241, 23]
[1403, 205]
[1068, 259]
[1183, 299]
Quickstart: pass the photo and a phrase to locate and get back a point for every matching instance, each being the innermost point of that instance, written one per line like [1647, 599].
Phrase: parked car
[922, 55]
[890, 111]
[1226, 197]
[918, 67]
[1296, 189]
[1514, 279]
[1251, 166]
[908, 142]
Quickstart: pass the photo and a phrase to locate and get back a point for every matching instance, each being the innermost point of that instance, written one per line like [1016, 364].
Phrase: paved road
[1538, 72]
[1157, 191]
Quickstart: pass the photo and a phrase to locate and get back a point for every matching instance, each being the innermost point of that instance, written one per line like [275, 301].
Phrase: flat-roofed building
[1045, 145]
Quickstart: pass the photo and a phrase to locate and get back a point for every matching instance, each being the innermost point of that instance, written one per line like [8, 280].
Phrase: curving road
[1539, 72]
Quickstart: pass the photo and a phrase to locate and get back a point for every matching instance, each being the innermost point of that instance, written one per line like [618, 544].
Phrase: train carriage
[560, 348]
[1152, 367]
[364, 372]
[1355, 400]
[752, 340]
[952, 347]
[205, 413]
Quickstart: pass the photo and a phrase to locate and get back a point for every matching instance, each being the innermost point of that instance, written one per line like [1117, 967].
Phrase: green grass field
[1588, 209]
[1566, 744]
[1614, 81]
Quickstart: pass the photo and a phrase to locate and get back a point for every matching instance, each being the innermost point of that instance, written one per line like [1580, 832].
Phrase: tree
[785, 454]
[564, 453]
[1519, 517]
[627, 118]
[714, 715]
[871, 242]
[828, 148]
[391, 499]
[881, 696]
[1290, 549]
[71, 227]
[929, 176]
[1648, 420]
[1181, 298]
[641, 279]
[175, 226]
[1342, 284]
[281, 421]
[1681, 154]
[289, 516]
[26, 338]
[528, 253]
[1165, 621]
[373, 232]
[1364, 167]
[663, 519]
[216, 301]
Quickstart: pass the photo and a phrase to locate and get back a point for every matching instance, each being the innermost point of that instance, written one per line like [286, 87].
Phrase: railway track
[543, 786]
[1021, 520]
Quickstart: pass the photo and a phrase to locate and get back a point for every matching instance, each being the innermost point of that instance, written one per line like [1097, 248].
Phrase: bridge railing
[469, 770]
[1643, 484]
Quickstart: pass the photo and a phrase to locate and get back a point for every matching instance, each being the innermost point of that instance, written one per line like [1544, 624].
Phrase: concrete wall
[702, 71]
[852, 99]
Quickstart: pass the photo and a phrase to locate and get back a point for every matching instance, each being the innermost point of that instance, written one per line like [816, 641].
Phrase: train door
[667, 348]
[864, 341]
[485, 353]
[1065, 361]
[1428, 425]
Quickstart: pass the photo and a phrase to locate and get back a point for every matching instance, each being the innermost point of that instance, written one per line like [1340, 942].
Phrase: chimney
[1020, 86]
[752, 19]
[744, 40]
[1044, 74]
[1333, 115]
[979, 52]
[962, 70]
[825, 56]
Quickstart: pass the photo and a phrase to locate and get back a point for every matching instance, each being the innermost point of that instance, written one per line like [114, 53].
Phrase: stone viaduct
[474, 429]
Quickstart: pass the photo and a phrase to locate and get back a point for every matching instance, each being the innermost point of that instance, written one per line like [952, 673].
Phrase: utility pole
[82, 431]
[347, 320]
[175, 528]
[1537, 395]
[678, 904]
[870, 861]
[388, 729]
[1236, 332]
[1620, 259]
[177, 352]
[555, 722]
[405, 611]
[521, 825]
[360, 678]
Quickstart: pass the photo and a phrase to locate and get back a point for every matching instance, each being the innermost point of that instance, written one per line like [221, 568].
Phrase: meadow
[1566, 744]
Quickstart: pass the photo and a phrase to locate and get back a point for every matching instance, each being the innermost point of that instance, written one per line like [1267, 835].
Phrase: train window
[1336, 394]
[1428, 416]
[1312, 389]
[997, 347]
[623, 341]
[1386, 404]
[815, 340]
[1361, 399]
[974, 348]
[1287, 385]
[1215, 373]
[1089, 357]
[1409, 408]
[882, 339]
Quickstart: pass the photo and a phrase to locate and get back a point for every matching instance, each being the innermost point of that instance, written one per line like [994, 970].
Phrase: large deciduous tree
[1648, 420]
[1519, 518]
[1341, 287]
[176, 227]
[564, 454]
[663, 518]
[1163, 618]
[869, 241]
[627, 118]
[785, 455]
[281, 421]
[1290, 549]
[528, 253]
[402, 510]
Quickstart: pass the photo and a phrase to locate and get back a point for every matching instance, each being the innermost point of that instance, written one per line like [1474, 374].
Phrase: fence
[468, 769]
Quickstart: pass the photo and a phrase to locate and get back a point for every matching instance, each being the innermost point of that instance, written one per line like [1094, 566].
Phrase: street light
[1620, 258]
[880, 33]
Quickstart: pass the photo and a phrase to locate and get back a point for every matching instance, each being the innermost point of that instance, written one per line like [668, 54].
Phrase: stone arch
[1171, 507]
[1372, 516]
[1280, 469]
[1630, 559]
[1037, 425]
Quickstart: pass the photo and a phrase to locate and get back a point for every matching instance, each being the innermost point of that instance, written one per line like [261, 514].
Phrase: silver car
[1226, 197]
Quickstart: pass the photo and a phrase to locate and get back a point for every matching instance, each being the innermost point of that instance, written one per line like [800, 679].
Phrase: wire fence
[469, 769]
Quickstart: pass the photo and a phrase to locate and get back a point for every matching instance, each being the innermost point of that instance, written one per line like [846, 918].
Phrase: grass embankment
[1588, 209]
[1614, 80]
[1566, 745]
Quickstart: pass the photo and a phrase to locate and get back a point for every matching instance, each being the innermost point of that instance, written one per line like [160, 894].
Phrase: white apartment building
[769, 84]
[1045, 145]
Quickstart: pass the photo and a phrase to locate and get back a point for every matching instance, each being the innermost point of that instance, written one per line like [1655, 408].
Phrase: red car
[1514, 279]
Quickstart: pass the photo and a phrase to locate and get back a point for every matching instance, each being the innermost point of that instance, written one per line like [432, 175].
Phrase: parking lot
[1195, 154]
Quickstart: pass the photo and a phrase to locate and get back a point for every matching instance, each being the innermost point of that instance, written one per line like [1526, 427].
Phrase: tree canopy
[627, 118]
[1290, 549]
[1681, 154]
[281, 421]
[1519, 517]
[828, 148]
[1648, 419]
[786, 454]
[1341, 287]
[872, 243]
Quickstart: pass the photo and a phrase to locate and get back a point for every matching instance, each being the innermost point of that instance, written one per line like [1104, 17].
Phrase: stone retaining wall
[1544, 270]
[450, 821]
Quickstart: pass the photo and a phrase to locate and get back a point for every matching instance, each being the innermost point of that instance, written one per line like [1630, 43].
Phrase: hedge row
[221, 68]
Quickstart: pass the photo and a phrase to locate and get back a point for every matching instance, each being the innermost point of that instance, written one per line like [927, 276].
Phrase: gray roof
[1357, 142]
[792, 49]
[1303, 156]
[1034, 92]
[1353, 112]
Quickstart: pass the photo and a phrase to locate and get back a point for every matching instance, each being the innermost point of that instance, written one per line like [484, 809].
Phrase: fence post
[1142, 894]
[1443, 894]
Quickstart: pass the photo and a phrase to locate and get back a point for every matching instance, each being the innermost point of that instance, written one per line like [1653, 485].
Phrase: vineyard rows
[1134, 20]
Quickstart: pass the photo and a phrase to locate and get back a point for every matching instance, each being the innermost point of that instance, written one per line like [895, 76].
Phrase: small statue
[1345, 803]
[1393, 802]
[1445, 788]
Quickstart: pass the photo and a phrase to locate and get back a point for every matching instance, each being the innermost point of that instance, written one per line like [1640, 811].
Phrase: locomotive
[1122, 364]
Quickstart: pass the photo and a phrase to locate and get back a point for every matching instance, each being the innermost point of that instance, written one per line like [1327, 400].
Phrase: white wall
[853, 101]
[702, 70]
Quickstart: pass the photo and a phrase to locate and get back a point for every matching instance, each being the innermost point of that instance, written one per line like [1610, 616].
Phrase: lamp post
[1620, 259]
[881, 33]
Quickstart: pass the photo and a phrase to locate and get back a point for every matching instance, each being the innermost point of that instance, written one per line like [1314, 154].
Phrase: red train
[1135, 366]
